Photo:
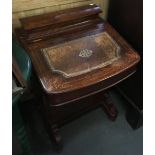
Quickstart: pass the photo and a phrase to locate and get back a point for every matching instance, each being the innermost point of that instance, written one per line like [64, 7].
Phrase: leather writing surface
[82, 55]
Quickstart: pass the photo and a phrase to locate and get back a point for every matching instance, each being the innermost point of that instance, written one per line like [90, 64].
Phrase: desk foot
[109, 107]
[56, 138]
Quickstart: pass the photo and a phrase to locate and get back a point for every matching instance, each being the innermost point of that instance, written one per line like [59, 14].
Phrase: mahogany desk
[77, 56]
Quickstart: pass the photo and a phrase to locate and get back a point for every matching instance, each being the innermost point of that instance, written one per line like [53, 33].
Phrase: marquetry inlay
[85, 53]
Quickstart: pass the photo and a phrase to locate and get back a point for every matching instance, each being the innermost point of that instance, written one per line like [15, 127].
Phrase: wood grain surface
[43, 32]
[57, 85]
[27, 8]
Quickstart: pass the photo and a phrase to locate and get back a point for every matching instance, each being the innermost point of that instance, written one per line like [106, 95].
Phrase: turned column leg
[108, 106]
[56, 135]
[51, 127]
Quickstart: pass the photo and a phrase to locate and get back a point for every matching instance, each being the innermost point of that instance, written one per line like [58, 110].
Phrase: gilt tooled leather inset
[82, 55]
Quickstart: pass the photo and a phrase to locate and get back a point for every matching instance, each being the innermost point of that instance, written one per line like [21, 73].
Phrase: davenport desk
[76, 56]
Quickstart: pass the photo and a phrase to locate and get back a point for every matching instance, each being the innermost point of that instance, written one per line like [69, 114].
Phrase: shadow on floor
[91, 134]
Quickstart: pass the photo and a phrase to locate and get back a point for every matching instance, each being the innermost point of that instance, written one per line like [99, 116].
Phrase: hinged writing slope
[88, 33]
[82, 55]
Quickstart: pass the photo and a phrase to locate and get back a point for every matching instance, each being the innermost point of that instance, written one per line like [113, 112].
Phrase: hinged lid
[57, 18]
[82, 46]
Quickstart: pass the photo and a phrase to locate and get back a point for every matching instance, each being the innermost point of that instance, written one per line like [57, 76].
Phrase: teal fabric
[15, 99]
[25, 66]
[22, 59]
[19, 128]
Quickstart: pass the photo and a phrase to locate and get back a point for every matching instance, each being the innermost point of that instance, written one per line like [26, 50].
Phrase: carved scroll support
[109, 107]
